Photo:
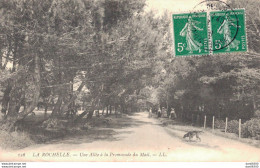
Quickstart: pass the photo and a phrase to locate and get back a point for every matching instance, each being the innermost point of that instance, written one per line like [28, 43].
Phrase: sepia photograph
[129, 81]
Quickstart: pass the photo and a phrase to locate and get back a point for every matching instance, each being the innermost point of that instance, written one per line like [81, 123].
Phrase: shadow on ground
[101, 132]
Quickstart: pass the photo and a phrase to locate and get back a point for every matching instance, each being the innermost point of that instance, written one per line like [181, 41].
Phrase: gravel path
[140, 139]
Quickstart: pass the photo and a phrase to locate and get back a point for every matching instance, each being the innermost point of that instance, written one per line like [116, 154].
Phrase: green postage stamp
[222, 32]
[228, 31]
[190, 34]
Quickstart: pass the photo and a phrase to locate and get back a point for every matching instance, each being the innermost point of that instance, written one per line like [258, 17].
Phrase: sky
[173, 6]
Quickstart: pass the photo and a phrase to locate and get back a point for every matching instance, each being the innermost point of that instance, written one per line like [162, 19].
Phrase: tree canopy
[111, 53]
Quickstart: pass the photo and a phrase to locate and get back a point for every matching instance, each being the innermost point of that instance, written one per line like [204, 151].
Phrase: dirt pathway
[138, 138]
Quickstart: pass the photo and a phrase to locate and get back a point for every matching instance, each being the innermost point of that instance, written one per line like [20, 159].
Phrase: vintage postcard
[129, 81]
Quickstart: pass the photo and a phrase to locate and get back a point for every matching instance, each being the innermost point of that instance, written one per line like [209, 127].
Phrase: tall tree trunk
[167, 105]
[14, 102]
[90, 115]
[12, 108]
[122, 108]
[1, 58]
[37, 84]
[79, 118]
[89, 112]
[57, 107]
[83, 105]
[6, 98]
[254, 103]
[74, 97]
[45, 109]
[115, 109]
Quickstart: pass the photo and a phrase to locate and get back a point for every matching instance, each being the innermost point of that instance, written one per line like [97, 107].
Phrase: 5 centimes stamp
[190, 34]
[228, 31]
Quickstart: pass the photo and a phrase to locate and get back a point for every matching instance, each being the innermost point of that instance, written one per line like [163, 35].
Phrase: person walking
[173, 114]
[159, 113]
[150, 113]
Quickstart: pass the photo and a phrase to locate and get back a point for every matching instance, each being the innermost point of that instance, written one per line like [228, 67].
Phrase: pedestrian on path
[173, 114]
[150, 113]
[159, 114]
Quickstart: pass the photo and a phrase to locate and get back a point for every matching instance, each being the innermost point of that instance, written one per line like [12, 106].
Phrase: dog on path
[191, 134]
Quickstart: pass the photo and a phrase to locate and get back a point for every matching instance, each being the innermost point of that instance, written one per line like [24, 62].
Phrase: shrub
[220, 124]
[14, 140]
[251, 128]
[232, 126]
[257, 114]
[53, 123]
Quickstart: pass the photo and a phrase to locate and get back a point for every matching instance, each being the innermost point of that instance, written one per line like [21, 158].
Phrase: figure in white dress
[188, 32]
[225, 30]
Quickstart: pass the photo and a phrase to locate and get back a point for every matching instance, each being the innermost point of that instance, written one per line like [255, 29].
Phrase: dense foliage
[225, 85]
[102, 54]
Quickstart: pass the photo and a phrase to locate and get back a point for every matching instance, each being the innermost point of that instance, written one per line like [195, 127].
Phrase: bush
[53, 123]
[232, 126]
[220, 124]
[14, 140]
[251, 128]
[257, 114]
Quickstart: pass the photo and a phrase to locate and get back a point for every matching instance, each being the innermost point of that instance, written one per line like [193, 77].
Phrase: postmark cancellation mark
[227, 32]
